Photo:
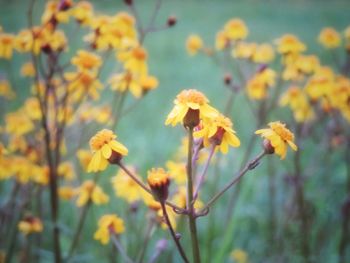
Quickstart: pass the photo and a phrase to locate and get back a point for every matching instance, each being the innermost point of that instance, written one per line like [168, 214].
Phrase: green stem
[190, 208]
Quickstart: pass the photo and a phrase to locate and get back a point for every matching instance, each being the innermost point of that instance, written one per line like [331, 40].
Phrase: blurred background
[256, 228]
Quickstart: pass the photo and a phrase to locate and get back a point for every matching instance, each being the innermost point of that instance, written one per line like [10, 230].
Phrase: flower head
[235, 29]
[105, 149]
[190, 106]
[86, 61]
[278, 137]
[290, 44]
[30, 224]
[158, 180]
[107, 225]
[193, 44]
[329, 38]
[125, 187]
[89, 191]
[218, 131]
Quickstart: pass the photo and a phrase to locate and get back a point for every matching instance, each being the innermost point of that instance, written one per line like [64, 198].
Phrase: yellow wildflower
[177, 171]
[135, 60]
[84, 157]
[258, 85]
[244, 50]
[263, 54]
[53, 13]
[105, 149]
[18, 123]
[125, 187]
[32, 108]
[320, 83]
[66, 170]
[5, 90]
[298, 102]
[66, 192]
[30, 224]
[239, 256]
[290, 44]
[83, 12]
[235, 29]
[158, 180]
[193, 44]
[190, 106]
[86, 60]
[107, 225]
[89, 191]
[329, 38]
[279, 137]
[6, 45]
[218, 131]
[221, 40]
[28, 70]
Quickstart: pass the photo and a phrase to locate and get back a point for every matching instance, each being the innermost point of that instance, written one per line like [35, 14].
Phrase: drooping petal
[106, 151]
[118, 147]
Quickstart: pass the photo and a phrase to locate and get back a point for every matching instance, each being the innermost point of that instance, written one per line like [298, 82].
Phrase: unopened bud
[191, 118]
[171, 21]
[227, 79]
[128, 2]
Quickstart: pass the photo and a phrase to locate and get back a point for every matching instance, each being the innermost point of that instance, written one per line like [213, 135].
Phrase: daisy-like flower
[190, 106]
[158, 180]
[193, 44]
[218, 131]
[90, 191]
[86, 61]
[290, 44]
[235, 29]
[105, 149]
[30, 224]
[125, 187]
[278, 137]
[107, 225]
[329, 38]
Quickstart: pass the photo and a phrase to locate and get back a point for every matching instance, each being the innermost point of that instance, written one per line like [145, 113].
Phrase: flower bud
[227, 79]
[128, 2]
[115, 158]
[159, 182]
[171, 21]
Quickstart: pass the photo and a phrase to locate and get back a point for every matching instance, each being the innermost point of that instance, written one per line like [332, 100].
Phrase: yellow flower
[134, 60]
[239, 256]
[89, 191]
[105, 149]
[263, 54]
[298, 102]
[193, 44]
[329, 38]
[5, 90]
[279, 137]
[32, 108]
[148, 83]
[307, 64]
[107, 225]
[190, 106]
[258, 85]
[83, 83]
[28, 70]
[177, 171]
[84, 157]
[66, 170]
[149, 201]
[244, 50]
[54, 14]
[290, 44]
[218, 131]
[83, 12]
[126, 81]
[125, 187]
[30, 224]
[86, 61]
[158, 180]
[18, 123]
[6, 45]
[221, 40]
[320, 83]
[41, 175]
[66, 192]
[235, 29]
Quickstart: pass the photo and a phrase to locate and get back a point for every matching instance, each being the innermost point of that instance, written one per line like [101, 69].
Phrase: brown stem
[173, 235]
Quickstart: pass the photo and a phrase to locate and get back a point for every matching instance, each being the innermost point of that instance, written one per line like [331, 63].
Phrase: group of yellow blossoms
[192, 109]
[309, 82]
